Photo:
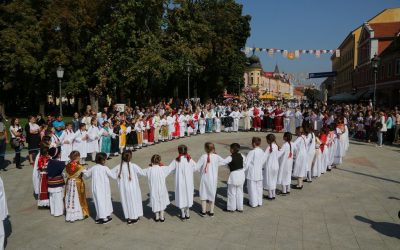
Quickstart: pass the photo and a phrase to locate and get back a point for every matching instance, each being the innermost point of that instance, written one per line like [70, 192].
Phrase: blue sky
[306, 24]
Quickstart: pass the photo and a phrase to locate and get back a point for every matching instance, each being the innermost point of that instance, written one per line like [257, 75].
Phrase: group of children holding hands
[310, 155]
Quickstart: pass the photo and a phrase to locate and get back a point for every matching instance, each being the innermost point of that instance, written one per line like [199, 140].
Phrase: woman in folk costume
[286, 164]
[43, 197]
[208, 166]
[310, 150]
[278, 119]
[129, 188]
[139, 132]
[80, 142]
[323, 137]
[300, 157]
[93, 139]
[177, 130]
[171, 126]
[340, 142]
[101, 191]
[256, 119]
[150, 130]
[105, 138]
[56, 183]
[236, 164]
[271, 166]
[202, 122]
[209, 121]
[254, 165]
[3, 213]
[189, 123]
[183, 166]
[196, 122]
[159, 198]
[36, 172]
[317, 161]
[246, 119]
[67, 138]
[164, 128]
[182, 124]
[76, 207]
[217, 121]
[123, 131]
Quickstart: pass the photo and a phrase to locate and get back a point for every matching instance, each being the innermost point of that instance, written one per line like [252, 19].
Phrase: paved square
[352, 207]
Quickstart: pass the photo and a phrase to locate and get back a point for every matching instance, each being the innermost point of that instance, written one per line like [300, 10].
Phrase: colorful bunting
[292, 54]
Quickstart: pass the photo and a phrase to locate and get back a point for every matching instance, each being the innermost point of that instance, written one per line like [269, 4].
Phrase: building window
[397, 67]
[389, 70]
[382, 73]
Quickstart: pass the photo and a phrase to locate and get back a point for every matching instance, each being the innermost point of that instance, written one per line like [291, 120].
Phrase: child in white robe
[80, 141]
[66, 139]
[236, 164]
[159, 198]
[202, 122]
[129, 188]
[271, 166]
[208, 166]
[171, 127]
[300, 157]
[317, 161]
[93, 133]
[3, 213]
[286, 164]
[101, 191]
[183, 166]
[254, 173]
[310, 151]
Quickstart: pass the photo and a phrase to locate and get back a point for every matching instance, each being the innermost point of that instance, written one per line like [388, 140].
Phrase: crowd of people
[58, 152]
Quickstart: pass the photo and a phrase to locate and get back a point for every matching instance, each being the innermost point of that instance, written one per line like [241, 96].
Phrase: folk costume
[76, 207]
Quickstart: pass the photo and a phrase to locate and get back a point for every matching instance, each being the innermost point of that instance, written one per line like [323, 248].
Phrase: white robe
[285, 165]
[101, 191]
[93, 140]
[129, 190]
[159, 198]
[209, 176]
[36, 176]
[271, 167]
[301, 157]
[3, 213]
[66, 139]
[184, 188]
[79, 143]
[310, 150]
[254, 164]
[171, 127]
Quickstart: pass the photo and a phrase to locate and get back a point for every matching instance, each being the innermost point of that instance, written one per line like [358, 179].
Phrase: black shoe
[240, 211]
[162, 220]
[267, 197]
[135, 221]
[187, 217]
[156, 220]
[210, 214]
[296, 187]
[329, 170]
[129, 222]
[109, 158]
[105, 221]
[109, 218]
[203, 214]
[229, 211]
[99, 221]
[19, 167]
[183, 218]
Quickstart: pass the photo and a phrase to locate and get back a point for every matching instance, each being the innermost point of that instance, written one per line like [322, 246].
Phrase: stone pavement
[352, 207]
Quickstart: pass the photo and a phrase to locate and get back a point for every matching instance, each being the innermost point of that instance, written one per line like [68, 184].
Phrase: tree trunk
[94, 102]
[2, 109]
[80, 104]
[41, 109]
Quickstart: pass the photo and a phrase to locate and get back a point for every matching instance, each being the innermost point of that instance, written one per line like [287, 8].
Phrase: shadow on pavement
[368, 175]
[385, 228]
[7, 230]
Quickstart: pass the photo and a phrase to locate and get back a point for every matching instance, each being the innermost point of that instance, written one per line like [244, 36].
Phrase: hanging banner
[322, 74]
[292, 54]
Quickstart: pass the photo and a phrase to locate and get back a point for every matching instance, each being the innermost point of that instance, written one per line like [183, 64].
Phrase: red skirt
[177, 132]
[278, 121]
[257, 122]
[43, 198]
[150, 135]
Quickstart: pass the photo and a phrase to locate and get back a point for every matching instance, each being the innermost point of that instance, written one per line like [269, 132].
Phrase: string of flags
[291, 55]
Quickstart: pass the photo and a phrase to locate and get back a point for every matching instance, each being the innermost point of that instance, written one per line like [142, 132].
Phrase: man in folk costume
[256, 119]
[3, 213]
[43, 198]
[278, 120]
[55, 182]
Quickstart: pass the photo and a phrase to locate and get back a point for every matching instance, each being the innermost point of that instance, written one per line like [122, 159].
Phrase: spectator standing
[32, 131]
[75, 122]
[59, 125]
[17, 140]
[3, 143]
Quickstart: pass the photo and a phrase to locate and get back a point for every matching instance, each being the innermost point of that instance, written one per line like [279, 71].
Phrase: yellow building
[346, 63]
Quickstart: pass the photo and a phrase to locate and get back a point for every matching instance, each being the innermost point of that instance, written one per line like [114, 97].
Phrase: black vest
[236, 163]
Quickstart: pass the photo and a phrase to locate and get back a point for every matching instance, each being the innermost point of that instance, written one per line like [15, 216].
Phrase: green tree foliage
[138, 48]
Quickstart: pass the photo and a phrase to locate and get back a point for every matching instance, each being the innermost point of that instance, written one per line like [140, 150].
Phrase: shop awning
[267, 96]
[343, 97]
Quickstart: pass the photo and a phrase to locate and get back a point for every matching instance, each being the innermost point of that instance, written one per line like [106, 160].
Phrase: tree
[312, 94]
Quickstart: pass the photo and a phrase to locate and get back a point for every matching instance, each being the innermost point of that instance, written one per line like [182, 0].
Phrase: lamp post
[60, 75]
[188, 68]
[375, 64]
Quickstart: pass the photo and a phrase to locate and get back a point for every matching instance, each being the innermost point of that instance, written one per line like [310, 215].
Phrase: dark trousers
[17, 158]
[2, 153]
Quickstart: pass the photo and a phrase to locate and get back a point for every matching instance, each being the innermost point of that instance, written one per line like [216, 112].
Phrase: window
[389, 70]
[397, 67]
[382, 73]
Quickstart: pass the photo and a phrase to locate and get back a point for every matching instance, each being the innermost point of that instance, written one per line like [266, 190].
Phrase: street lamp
[188, 68]
[375, 64]
[60, 75]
